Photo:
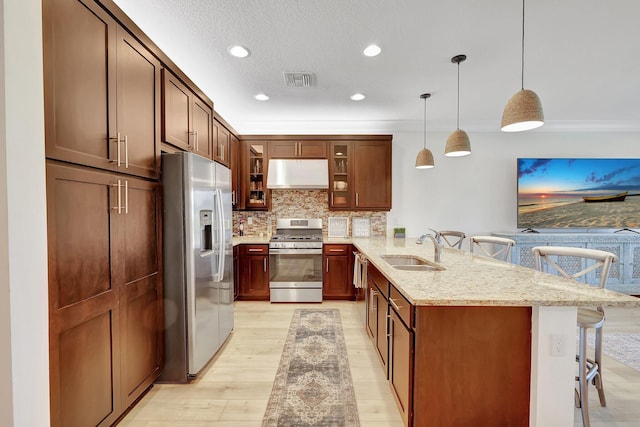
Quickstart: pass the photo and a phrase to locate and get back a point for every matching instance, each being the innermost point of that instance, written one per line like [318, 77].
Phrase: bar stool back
[453, 238]
[583, 261]
[492, 246]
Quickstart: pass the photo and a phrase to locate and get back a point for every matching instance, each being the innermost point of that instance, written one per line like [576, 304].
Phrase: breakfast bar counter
[471, 342]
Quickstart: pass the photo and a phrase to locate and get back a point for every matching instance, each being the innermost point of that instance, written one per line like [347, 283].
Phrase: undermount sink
[411, 263]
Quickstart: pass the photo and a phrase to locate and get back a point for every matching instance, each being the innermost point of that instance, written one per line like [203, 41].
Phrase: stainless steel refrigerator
[197, 262]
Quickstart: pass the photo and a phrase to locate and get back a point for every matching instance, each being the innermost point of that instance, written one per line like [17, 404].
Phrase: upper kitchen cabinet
[304, 149]
[187, 120]
[254, 175]
[221, 151]
[101, 87]
[360, 174]
[234, 164]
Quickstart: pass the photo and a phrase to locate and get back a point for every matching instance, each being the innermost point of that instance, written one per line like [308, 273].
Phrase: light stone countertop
[250, 240]
[474, 280]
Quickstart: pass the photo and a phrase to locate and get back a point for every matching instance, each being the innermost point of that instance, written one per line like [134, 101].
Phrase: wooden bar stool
[560, 259]
[492, 246]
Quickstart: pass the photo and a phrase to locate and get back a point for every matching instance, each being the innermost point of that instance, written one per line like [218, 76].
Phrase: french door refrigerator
[197, 263]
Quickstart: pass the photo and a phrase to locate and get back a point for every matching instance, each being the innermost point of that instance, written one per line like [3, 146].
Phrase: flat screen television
[578, 193]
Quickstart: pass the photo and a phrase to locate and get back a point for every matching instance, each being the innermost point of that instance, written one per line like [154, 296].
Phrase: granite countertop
[474, 280]
[250, 240]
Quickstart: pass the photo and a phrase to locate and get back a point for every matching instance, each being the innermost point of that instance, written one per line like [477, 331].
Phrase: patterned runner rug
[625, 348]
[313, 383]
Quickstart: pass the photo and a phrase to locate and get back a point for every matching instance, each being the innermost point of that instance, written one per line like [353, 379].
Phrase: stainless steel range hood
[304, 174]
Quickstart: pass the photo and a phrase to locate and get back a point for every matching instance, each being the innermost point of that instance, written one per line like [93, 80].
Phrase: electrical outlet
[557, 345]
[249, 220]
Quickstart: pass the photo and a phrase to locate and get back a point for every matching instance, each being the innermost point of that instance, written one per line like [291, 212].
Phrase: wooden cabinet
[101, 90]
[187, 120]
[237, 202]
[254, 175]
[105, 293]
[291, 149]
[378, 303]
[253, 272]
[221, 152]
[337, 280]
[360, 175]
[236, 272]
[401, 344]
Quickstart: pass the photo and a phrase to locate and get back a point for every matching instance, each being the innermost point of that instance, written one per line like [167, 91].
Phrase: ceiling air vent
[297, 79]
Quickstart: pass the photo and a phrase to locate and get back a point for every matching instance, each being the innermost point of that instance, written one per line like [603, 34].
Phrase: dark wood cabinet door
[176, 112]
[79, 55]
[372, 175]
[141, 318]
[138, 105]
[382, 344]
[400, 364]
[289, 149]
[338, 272]
[202, 131]
[234, 164]
[313, 149]
[221, 151]
[283, 149]
[254, 272]
[372, 314]
[84, 337]
[236, 272]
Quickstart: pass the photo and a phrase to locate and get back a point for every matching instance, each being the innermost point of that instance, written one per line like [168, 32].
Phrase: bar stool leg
[582, 378]
[597, 380]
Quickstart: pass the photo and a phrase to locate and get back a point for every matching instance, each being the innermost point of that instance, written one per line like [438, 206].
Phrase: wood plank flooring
[234, 387]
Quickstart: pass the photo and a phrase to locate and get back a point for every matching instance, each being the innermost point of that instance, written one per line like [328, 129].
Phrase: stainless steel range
[295, 261]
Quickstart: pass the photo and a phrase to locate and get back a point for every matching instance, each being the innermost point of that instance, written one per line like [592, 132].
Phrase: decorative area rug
[625, 348]
[313, 384]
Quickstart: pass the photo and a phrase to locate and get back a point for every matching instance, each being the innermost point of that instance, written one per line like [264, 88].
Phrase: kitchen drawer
[381, 282]
[254, 249]
[331, 249]
[401, 306]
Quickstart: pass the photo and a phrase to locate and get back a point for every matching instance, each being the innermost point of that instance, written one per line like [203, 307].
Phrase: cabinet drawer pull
[255, 250]
[336, 250]
[393, 303]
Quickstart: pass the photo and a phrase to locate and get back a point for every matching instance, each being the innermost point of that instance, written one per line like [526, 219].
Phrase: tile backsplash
[302, 204]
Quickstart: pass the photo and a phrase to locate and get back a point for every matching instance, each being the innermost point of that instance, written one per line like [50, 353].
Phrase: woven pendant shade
[523, 112]
[458, 144]
[424, 160]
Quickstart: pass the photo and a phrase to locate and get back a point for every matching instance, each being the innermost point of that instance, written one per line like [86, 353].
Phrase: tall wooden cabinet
[104, 91]
[105, 292]
[254, 167]
[102, 141]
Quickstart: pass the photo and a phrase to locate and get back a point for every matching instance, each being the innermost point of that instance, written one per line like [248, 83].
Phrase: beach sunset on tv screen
[578, 193]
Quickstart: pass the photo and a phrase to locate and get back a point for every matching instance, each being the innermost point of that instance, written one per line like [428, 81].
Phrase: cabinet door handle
[117, 161]
[264, 264]
[393, 303]
[356, 199]
[126, 197]
[233, 197]
[126, 152]
[332, 198]
[196, 134]
[327, 264]
[119, 197]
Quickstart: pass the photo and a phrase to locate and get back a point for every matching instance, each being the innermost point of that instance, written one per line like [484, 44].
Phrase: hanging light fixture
[458, 143]
[524, 110]
[424, 160]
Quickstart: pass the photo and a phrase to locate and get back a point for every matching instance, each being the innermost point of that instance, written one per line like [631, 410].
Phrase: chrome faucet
[436, 238]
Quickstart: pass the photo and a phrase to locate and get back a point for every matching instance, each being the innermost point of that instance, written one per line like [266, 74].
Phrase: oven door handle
[295, 251]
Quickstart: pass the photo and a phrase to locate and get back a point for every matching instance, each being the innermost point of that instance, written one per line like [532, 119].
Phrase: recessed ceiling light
[372, 50]
[238, 51]
[261, 97]
[357, 97]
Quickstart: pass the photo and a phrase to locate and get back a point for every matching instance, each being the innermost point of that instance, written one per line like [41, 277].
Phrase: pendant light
[424, 160]
[524, 110]
[458, 143]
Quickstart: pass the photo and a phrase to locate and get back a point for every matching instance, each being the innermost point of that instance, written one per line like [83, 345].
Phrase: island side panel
[472, 366]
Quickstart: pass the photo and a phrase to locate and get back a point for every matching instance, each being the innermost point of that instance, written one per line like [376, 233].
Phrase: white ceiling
[582, 57]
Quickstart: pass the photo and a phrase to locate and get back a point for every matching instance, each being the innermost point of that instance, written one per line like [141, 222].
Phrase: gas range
[296, 233]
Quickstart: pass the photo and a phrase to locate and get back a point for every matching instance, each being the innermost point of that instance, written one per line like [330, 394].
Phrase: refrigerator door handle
[221, 243]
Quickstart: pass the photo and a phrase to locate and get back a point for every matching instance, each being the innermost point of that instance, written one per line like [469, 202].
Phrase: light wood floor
[234, 388]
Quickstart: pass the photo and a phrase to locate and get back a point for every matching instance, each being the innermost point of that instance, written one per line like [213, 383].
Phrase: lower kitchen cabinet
[253, 261]
[236, 272]
[337, 279]
[105, 293]
[451, 365]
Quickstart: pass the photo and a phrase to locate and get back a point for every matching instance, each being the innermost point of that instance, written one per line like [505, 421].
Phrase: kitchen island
[471, 344]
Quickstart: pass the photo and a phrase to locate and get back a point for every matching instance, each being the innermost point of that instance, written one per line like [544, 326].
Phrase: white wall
[477, 194]
[24, 349]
